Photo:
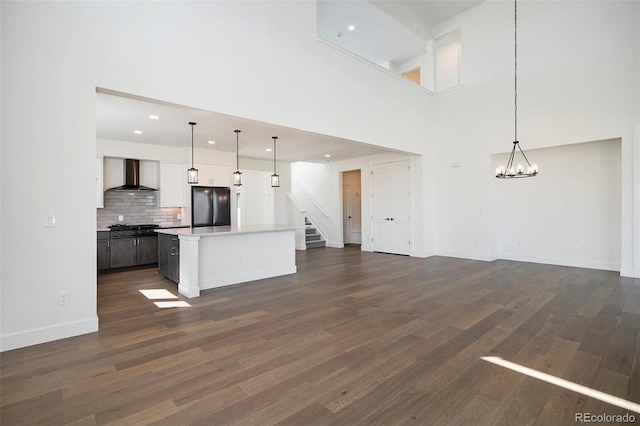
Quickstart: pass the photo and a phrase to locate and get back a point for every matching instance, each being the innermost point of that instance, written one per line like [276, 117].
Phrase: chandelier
[510, 171]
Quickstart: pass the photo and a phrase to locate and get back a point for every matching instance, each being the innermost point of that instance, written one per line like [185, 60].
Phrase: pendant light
[237, 175]
[275, 179]
[510, 171]
[192, 173]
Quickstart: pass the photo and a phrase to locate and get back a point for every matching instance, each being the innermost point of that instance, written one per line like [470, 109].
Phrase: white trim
[627, 272]
[335, 245]
[465, 255]
[576, 263]
[422, 254]
[48, 334]
[372, 64]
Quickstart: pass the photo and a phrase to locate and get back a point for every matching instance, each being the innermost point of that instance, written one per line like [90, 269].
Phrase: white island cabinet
[217, 256]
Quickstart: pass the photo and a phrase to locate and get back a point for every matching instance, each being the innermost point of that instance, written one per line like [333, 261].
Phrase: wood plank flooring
[353, 338]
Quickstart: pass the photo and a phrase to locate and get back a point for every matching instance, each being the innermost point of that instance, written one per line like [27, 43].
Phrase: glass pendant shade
[237, 178]
[275, 180]
[192, 173]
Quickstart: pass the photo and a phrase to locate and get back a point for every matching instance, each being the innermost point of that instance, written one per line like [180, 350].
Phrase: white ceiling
[381, 25]
[385, 30]
[118, 115]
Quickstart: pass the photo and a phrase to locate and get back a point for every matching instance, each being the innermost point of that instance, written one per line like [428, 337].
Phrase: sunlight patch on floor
[158, 293]
[602, 396]
[172, 304]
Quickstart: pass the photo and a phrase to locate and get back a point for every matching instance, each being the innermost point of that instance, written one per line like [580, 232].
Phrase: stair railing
[297, 215]
[313, 200]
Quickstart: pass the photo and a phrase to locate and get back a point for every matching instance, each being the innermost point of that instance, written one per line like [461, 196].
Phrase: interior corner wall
[564, 217]
[317, 188]
[575, 85]
[55, 55]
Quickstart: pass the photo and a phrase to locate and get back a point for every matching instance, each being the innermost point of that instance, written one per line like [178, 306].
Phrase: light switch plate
[50, 220]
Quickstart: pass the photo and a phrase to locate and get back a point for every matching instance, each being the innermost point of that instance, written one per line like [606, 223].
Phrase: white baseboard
[628, 272]
[465, 255]
[47, 334]
[335, 245]
[575, 263]
[422, 254]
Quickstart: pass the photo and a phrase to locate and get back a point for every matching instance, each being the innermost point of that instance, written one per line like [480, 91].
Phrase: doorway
[351, 207]
[391, 219]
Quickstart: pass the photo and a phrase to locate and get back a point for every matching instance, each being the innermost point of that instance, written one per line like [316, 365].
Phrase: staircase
[312, 237]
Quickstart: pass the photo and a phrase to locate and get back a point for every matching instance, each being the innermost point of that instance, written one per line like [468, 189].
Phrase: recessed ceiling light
[327, 155]
[351, 27]
[212, 142]
[137, 132]
[268, 149]
[154, 117]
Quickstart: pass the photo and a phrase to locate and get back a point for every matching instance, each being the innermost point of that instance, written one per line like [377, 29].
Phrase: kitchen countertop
[224, 230]
[161, 227]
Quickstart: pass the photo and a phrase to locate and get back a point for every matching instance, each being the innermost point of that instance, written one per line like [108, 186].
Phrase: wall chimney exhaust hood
[131, 178]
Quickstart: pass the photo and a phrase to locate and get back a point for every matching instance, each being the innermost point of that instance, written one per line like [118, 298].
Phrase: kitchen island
[216, 256]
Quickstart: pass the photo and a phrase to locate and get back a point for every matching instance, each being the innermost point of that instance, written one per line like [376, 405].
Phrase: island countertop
[216, 256]
[224, 230]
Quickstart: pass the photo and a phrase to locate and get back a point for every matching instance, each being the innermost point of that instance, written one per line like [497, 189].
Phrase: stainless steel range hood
[131, 178]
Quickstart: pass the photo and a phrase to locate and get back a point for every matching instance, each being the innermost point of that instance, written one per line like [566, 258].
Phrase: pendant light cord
[515, 66]
[274, 154]
[192, 146]
[237, 151]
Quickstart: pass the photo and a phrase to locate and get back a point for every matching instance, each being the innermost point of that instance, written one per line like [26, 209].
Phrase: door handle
[349, 217]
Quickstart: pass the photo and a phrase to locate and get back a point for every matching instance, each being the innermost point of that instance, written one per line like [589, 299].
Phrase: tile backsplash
[139, 207]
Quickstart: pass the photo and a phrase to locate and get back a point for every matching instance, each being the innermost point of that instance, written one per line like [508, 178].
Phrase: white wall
[230, 57]
[447, 65]
[570, 214]
[577, 82]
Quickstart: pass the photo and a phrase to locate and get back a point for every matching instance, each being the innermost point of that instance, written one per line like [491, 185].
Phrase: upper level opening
[397, 37]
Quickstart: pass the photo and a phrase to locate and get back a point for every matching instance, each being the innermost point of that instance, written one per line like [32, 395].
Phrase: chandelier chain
[515, 66]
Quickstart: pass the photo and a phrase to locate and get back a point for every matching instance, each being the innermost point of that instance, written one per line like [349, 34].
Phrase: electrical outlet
[63, 298]
[179, 216]
[120, 218]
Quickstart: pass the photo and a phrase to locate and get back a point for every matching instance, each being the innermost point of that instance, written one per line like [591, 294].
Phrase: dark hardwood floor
[352, 338]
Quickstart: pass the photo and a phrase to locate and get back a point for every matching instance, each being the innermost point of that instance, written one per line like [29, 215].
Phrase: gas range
[132, 231]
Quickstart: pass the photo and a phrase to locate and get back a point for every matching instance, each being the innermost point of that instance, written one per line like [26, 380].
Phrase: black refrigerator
[210, 206]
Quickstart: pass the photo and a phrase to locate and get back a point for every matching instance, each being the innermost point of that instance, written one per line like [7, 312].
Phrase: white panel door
[391, 207]
[346, 214]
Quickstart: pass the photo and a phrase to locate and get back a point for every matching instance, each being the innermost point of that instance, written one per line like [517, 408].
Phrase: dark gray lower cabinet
[123, 252]
[147, 250]
[104, 256]
[169, 256]
[133, 251]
